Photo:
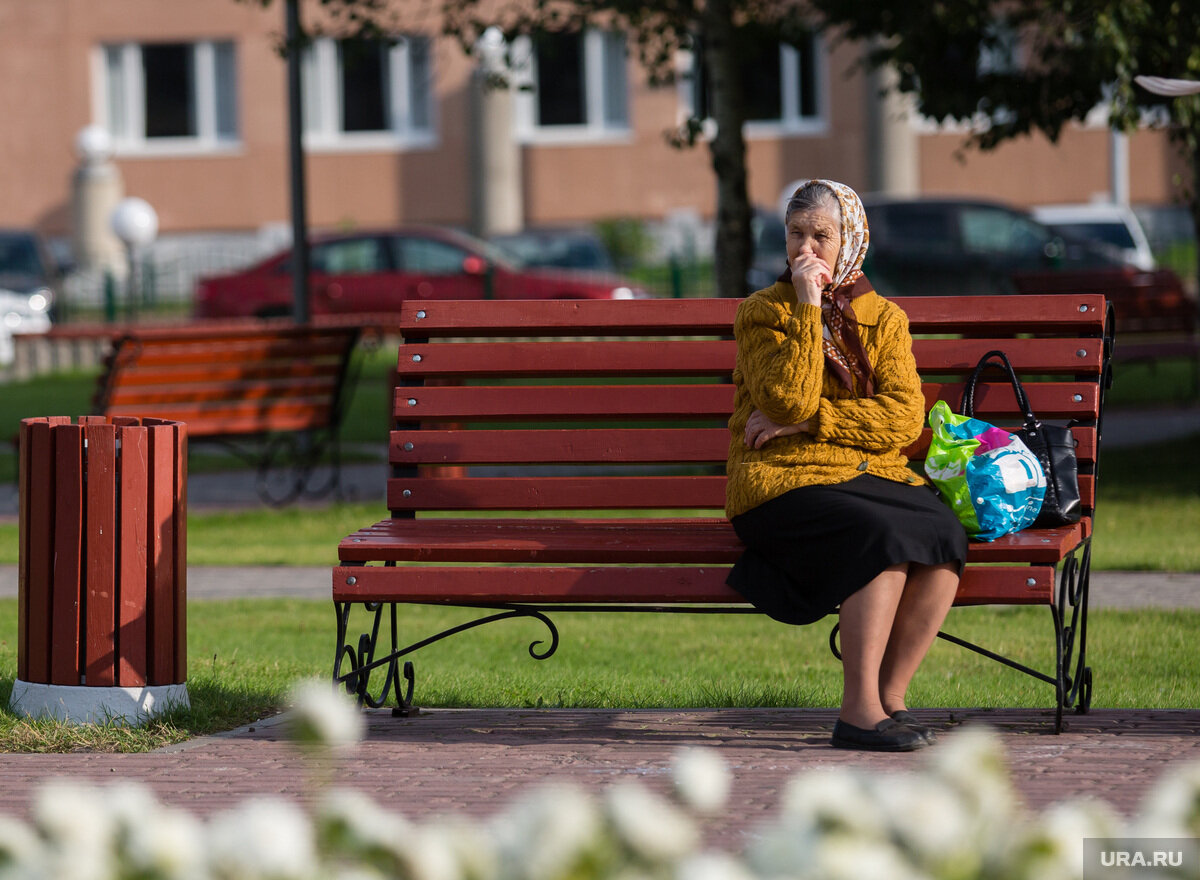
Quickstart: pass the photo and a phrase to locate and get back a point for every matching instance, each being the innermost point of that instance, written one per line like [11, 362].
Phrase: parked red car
[368, 272]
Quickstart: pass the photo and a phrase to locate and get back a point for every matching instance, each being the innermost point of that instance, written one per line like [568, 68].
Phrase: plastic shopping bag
[987, 476]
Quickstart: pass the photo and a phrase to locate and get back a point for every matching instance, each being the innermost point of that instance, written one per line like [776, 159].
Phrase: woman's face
[816, 231]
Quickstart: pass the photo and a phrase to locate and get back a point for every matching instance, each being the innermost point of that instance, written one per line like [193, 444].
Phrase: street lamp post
[135, 222]
[300, 263]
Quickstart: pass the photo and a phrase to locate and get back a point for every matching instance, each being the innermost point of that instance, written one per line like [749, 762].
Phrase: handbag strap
[997, 359]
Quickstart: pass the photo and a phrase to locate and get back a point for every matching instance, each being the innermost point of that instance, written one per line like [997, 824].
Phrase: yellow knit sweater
[781, 371]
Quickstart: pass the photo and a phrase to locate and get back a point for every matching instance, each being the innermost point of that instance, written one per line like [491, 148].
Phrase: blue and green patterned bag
[986, 475]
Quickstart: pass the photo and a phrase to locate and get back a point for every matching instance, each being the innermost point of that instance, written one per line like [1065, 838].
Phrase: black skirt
[810, 548]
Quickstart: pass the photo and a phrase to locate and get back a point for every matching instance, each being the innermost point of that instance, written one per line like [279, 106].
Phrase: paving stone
[474, 762]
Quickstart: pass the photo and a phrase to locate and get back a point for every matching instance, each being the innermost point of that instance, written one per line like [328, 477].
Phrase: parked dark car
[930, 247]
[376, 271]
[936, 247]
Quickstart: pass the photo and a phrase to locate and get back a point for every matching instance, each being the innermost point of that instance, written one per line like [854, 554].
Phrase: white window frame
[322, 78]
[790, 123]
[130, 139]
[597, 129]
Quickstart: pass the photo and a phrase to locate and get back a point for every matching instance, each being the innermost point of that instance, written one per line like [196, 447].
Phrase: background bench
[272, 393]
[619, 410]
[1155, 320]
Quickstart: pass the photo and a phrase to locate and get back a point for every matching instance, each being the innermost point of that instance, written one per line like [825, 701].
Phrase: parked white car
[20, 313]
[1113, 225]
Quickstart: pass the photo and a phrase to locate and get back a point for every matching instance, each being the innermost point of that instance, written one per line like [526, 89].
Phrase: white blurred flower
[78, 830]
[712, 866]
[845, 857]
[972, 761]
[322, 715]
[702, 779]
[546, 833]
[265, 837]
[779, 848]
[1051, 848]
[832, 800]
[352, 821]
[653, 828]
[1172, 808]
[929, 820]
[153, 839]
[430, 854]
[473, 847]
[20, 847]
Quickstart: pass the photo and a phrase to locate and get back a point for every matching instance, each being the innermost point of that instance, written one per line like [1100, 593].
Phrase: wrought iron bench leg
[1071, 689]
[362, 654]
[1075, 675]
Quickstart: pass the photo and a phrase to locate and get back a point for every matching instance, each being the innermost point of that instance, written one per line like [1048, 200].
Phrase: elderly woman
[831, 515]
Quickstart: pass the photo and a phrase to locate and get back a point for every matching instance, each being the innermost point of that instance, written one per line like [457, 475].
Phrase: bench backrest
[229, 379]
[630, 399]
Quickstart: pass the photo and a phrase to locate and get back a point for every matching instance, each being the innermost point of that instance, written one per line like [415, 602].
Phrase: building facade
[193, 96]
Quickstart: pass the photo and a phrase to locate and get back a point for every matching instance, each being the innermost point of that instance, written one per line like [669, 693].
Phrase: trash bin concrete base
[96, 705]
[102, 574]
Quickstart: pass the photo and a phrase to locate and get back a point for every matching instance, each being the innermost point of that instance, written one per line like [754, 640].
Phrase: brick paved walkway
[472, 762]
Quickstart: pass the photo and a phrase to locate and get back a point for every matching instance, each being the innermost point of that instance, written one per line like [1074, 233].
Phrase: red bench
[620, 408]
[271, 392]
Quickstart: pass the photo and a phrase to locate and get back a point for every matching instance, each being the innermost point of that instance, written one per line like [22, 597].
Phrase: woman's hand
[810, 276]
[760, 430]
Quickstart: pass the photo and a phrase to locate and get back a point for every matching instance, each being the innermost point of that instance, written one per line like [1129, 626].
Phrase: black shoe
[908, 719]
[886, 736]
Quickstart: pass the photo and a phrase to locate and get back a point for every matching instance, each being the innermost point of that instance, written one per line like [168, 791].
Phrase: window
[781, 90]
[990, 231]
[169, 96]
[573, 86]
[428, 257]
[352, 256]
[368, 93]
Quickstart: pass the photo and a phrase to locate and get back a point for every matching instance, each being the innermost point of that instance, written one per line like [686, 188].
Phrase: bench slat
[555, 493]
[228, 373]
[695, 540]
[153, 396]
[168, 352]
[233, 419]
[1009, 585]
[600, 492]
[1049, 400]
[694, 357]
[603, 445]
[1080, 314]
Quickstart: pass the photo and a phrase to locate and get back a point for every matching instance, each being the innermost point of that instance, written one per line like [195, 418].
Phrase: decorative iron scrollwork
[362, 657]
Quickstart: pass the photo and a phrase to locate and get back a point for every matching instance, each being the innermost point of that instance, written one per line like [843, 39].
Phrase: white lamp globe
[134, 222]
[93, 144]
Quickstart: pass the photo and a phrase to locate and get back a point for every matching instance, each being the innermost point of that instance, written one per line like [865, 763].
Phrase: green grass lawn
[245, 654]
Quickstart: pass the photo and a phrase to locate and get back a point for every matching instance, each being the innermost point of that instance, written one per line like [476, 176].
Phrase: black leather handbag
[1052, 444]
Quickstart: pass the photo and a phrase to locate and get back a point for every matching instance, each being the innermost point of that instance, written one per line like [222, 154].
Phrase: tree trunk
[728, 149]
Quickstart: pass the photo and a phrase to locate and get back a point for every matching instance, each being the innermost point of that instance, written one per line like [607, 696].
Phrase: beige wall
[45, 99]
[1031, 170]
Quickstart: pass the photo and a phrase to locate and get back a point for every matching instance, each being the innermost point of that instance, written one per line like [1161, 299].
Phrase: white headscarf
[855, 235]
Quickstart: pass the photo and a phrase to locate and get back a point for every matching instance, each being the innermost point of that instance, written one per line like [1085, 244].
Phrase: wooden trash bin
[102, 584]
